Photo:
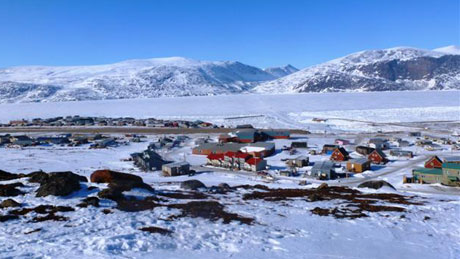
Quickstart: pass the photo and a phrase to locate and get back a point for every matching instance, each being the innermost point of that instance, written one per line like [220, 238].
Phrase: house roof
[215, 156]
[254, 161]
[434, 171]
[451, 166]
[451, 159]
[342, 150]
[380, 153]
[434, 158]
[359, 161]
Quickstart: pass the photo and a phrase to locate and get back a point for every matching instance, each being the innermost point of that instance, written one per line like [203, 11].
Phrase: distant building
[379, 143]
[323, 170]
[363, 150]
[340, 154]
[299, 144]
[175, 169]
[378, 157]
[342, 142]
[358, 165]
[433, 162]
[148, 160]
[402, 153]
[263, 149]
[328, 149]
[300, 161]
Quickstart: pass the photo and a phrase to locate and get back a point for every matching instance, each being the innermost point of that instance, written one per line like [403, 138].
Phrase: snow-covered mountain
[157, 77]
[401, 68]
[281, 71]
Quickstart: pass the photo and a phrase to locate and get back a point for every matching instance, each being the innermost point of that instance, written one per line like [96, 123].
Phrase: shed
[176, 168]
[300, 161]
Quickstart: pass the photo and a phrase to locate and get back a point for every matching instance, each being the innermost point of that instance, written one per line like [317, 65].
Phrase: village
[268, 154]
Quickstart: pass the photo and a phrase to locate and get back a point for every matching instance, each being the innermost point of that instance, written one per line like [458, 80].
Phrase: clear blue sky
[262, 33]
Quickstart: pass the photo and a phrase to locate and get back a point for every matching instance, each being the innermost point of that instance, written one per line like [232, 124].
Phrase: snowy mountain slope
[401, 68]
[281, 71]
[452, 49]
[157, 77]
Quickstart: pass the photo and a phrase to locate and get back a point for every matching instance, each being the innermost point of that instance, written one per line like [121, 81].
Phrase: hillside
[147, 78]
[392, 69]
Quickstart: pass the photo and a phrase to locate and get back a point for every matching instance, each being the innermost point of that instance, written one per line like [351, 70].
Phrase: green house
[451, 174]
[427, 175]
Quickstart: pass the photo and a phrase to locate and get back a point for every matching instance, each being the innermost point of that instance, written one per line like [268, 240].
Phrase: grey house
[148, 160]
[177, 168]
[323, 170]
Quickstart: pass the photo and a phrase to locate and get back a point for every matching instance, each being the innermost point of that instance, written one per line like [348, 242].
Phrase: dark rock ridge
[59, 184]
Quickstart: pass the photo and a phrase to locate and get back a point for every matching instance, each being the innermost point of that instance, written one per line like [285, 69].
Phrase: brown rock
[9, 203]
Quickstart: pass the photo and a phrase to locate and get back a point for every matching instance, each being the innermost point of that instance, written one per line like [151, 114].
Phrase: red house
[433, 162]
[378, 157]
[340, 154]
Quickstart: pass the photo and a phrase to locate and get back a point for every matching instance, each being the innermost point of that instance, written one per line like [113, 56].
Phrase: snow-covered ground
[275, 110]
[283, 229]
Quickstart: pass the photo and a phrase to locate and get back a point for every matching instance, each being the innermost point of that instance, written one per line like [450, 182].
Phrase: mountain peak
[452, 49]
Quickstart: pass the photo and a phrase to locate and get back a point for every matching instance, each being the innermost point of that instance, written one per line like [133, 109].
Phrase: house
[378, 157]
[342, 142]
[221, 148]
[244, 126]
[148, 160]
[104, 143]
[363, 150]
[340, 154]
[358, 165]
[451, 174]
[402, 153]
[452, 159]
[255, 164]
[379, 143]
[415, 134]
[177, 168]
[426, 175]
[225, 138]
[328, 149]
[448, 174]
[276, 134]
[215, 159]
[323, 170]
[300, 161]
[299, 144]
[247, 135]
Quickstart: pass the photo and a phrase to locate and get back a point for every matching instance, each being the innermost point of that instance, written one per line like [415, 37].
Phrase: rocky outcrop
[60, 184]
[192, 185]
[376, 185]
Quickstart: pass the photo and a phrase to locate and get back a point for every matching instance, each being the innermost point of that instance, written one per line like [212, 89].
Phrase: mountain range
[401, 68]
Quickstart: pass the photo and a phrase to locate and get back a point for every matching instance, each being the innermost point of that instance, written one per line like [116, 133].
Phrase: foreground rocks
[118, 183]
[5, 176]
[192, 185]
[59, 184]
[353, 203]
[10, 190]
[376, 185]
[9, 203]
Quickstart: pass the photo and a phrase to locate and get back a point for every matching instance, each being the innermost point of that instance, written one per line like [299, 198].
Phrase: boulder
[38, 177]
[111, 194]
[192, 185]
[322, 186]
[9, 203]
[108, 176]
[376, 184]
[89, 201]
[119, 181]
[4, 218]
[7, 190]
[5, 176]
[60, 184]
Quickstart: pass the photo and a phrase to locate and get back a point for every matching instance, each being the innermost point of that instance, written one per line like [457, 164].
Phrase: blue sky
[261, 33]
